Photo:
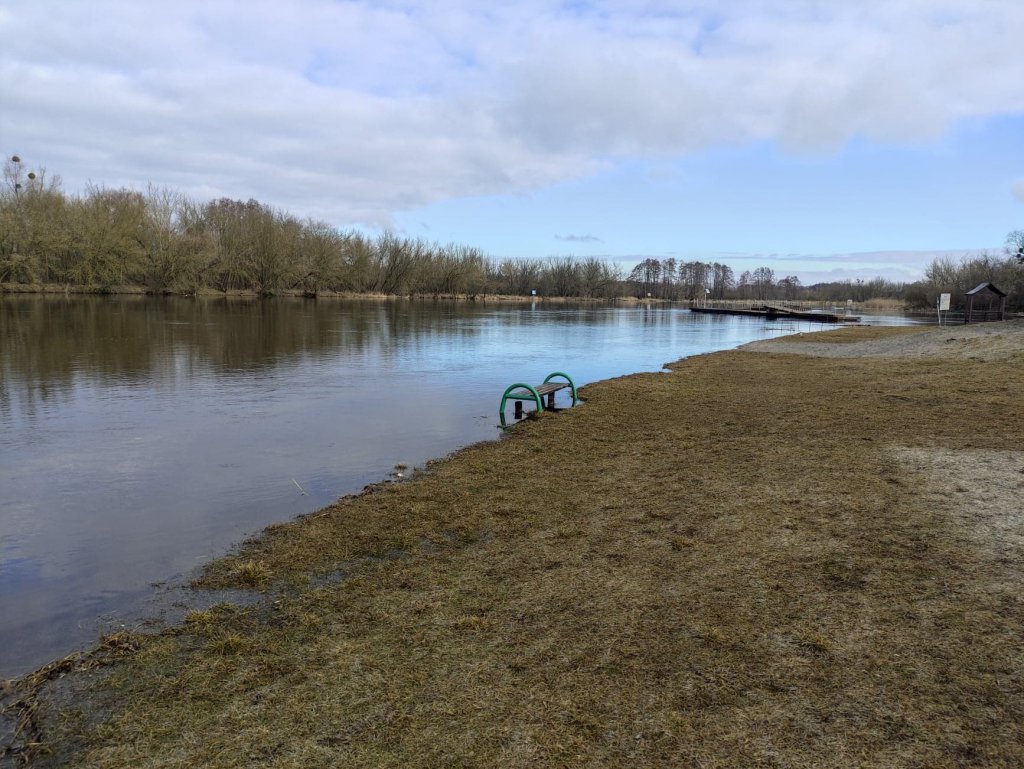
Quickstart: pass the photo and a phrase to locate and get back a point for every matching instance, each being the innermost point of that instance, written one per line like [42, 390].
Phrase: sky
[828, 139]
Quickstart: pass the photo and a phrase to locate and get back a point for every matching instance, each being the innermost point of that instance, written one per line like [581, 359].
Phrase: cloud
[351, 112]
[811, 277]
[1017, 189]
[906, 260]
[579, 238]
[810, 77]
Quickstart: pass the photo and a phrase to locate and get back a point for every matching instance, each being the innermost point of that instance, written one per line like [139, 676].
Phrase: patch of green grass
[252, 573]
[227, 644]
[200, 619]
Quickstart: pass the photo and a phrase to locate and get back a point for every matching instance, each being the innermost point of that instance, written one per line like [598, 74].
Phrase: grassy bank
[761, 559]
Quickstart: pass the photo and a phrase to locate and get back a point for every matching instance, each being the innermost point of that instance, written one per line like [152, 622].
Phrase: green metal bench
[520, 392]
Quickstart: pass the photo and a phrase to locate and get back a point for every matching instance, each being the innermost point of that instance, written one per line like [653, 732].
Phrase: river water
[141, 437]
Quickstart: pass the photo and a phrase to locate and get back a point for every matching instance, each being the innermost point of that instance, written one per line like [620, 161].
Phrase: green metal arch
[572, 385]
[522, 397]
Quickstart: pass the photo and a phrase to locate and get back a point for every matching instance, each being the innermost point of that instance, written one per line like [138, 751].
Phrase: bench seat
[544, 389]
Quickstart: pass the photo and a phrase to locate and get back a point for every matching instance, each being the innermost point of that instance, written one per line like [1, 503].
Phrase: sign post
[943, 305]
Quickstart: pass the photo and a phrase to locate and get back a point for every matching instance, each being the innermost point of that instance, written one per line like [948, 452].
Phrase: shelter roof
[986, 286]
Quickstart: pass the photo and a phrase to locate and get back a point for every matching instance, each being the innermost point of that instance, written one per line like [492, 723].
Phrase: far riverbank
[878, 305]
[57, 289]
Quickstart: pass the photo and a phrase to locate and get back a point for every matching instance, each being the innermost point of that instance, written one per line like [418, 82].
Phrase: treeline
[167, 242]
[693, 281]
[675, 280]
[957, 276]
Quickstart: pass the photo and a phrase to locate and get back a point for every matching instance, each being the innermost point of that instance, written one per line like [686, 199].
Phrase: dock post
[518, 411]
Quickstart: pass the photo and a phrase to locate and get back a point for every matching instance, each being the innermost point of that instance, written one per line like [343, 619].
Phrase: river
[141, 437]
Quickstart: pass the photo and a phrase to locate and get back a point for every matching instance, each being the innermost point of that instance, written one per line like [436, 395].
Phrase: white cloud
[1017, 188]
[898, 266]
[351, 111]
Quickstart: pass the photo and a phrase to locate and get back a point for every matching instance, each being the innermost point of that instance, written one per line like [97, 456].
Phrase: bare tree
[1015, 245]
[598, 277]
[722, 280]
[645, 276]
[789, 287]
[763, 282]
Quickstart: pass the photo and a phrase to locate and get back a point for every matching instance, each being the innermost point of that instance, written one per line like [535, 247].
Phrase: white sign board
[944, 302]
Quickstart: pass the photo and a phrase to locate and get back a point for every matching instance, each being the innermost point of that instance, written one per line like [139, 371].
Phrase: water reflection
[140, 437]
[120, 340]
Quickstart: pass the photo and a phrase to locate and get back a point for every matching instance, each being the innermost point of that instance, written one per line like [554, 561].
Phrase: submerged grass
[725, 566]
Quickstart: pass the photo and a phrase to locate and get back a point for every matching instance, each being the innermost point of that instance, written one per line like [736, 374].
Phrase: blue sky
[824, 138]
[863, 210]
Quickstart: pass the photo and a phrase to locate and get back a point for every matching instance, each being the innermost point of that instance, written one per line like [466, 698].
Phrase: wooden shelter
[985, 303]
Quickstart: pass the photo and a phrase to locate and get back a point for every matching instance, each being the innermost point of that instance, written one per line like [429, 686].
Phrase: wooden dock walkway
[772, 312]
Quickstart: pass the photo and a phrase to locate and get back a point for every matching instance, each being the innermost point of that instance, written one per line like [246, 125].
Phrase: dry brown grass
[725, 566]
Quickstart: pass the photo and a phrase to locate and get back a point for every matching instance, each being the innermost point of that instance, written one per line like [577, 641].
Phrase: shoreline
[590, 574]
[17, 289]
[38, 289]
